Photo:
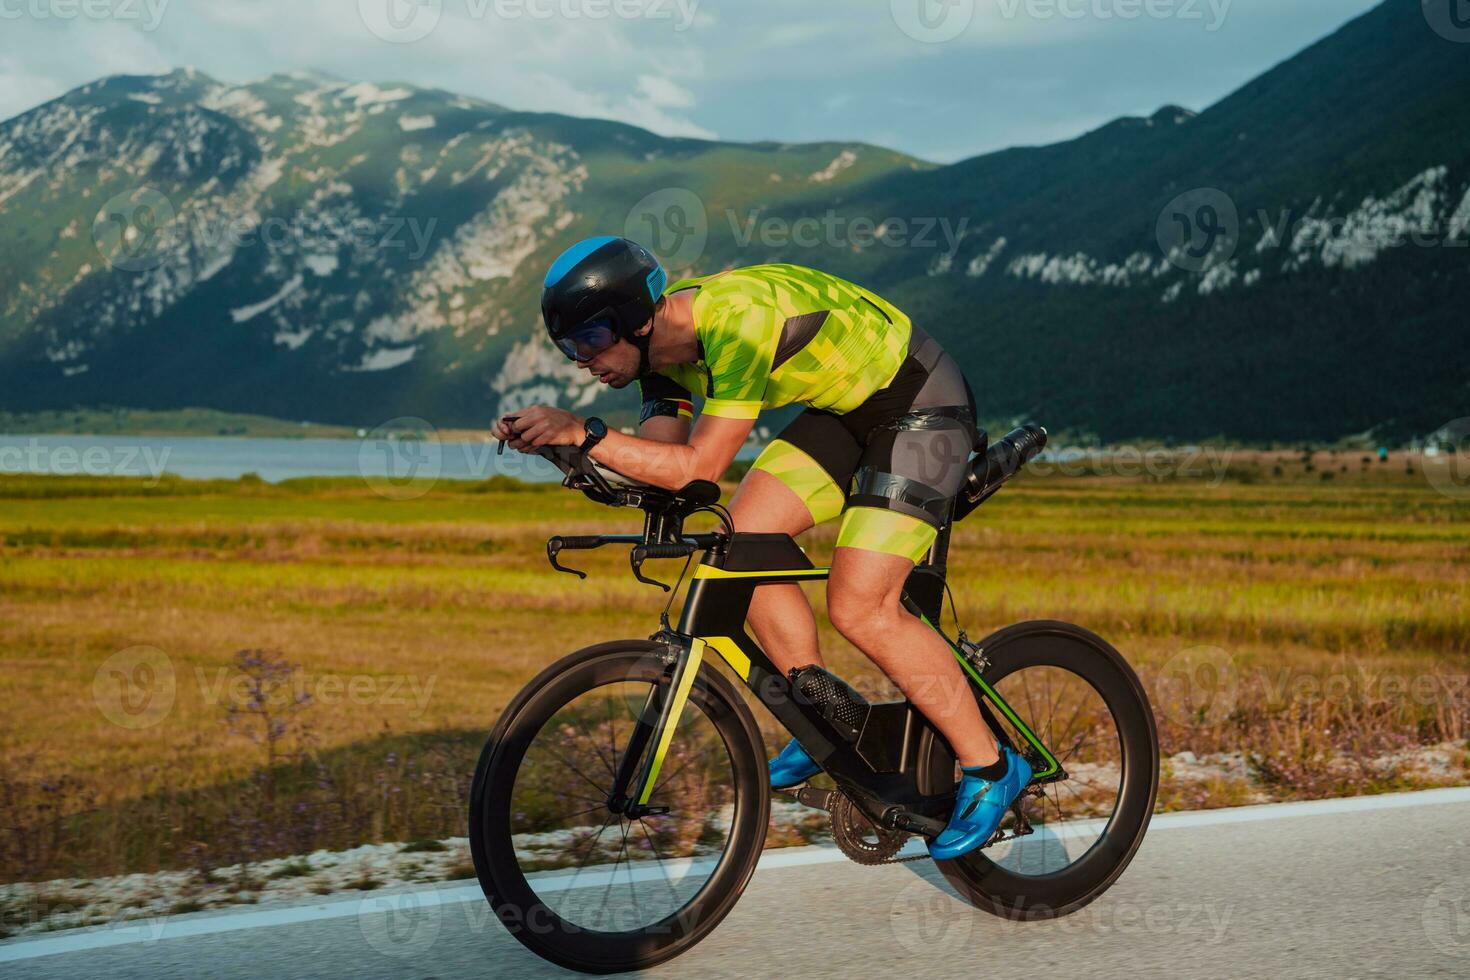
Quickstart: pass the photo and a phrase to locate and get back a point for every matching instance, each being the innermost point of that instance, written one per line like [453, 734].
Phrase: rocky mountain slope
[1290, 263]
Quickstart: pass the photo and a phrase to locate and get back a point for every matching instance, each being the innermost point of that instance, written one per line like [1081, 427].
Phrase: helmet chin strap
[642, 343]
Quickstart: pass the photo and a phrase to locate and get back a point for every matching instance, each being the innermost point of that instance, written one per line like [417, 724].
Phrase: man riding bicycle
[883, 443]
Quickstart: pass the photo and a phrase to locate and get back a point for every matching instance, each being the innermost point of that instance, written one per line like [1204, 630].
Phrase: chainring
[858, 837]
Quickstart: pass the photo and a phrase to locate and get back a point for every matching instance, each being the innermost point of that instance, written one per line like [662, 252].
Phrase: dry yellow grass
[427, 615]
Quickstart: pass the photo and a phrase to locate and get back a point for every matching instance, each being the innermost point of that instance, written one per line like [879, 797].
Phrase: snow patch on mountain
[981, 263]
[1359, 237]
[1460, 221]
[1080, 269]
[384, 358]
[367, 94]
[841, 162]
[246, 313]
[321, 265]
[1218, 277]
[410, 124]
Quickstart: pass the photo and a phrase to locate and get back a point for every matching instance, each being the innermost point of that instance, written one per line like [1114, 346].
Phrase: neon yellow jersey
[773, 335]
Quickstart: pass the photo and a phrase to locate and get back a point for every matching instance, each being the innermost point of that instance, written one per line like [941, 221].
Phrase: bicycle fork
[638, 769]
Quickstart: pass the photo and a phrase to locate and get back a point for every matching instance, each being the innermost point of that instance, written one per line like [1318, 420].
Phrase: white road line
[203, 924]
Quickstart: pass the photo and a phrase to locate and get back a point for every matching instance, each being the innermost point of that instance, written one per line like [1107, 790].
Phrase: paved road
[1352, 888]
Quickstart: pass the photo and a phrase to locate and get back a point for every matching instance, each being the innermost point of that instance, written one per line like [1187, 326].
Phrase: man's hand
[541, 425]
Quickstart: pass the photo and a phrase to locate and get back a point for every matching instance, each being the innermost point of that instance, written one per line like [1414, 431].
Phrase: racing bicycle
[622, 800]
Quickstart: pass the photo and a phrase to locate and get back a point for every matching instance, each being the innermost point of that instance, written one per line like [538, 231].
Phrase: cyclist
[883, 442]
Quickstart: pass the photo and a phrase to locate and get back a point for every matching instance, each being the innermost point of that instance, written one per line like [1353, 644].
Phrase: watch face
[596, 428]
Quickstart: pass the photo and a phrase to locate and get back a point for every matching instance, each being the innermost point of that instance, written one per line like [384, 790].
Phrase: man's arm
[672, 464]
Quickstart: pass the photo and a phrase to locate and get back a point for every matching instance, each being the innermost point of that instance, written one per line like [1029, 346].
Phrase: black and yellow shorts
[891, 467]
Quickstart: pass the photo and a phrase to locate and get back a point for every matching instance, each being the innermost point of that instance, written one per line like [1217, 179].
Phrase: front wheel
[1084, 702]
[581, 884]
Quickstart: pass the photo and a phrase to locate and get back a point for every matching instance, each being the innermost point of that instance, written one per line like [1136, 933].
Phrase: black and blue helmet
[599, 290]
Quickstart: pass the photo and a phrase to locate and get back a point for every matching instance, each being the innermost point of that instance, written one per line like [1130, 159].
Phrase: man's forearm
[663, 464]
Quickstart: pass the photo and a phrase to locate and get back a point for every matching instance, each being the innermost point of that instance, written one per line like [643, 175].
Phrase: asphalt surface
[1354, 888]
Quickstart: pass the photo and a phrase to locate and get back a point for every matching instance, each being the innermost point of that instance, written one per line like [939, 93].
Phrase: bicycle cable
[719, 511]
[954, 611]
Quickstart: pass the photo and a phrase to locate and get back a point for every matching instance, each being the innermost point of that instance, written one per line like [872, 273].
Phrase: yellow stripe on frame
[681, 697]
[710, 571]
[727, 648]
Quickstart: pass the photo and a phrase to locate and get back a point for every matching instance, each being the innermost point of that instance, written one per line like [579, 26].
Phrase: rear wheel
[592, 889]
[1084, 702]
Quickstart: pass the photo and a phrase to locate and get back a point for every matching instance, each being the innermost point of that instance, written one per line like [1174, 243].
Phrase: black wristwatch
[596, 431]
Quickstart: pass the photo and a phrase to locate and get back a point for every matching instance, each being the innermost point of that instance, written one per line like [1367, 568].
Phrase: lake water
[374, 458]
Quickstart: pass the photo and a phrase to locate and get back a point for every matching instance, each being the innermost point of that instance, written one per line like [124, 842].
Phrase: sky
[939, 79]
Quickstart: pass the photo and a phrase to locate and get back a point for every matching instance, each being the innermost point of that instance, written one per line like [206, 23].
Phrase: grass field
[1337, 610]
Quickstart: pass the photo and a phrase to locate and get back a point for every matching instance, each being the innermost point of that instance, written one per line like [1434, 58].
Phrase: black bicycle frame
[878, 770]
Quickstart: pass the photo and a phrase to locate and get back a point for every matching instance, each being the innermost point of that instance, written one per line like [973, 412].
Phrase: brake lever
[636, 557]
[553, 548]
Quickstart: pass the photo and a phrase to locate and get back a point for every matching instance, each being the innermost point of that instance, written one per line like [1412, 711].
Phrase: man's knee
[857, 613]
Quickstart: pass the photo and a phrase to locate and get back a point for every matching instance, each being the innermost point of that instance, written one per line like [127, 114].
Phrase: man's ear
[647, 328]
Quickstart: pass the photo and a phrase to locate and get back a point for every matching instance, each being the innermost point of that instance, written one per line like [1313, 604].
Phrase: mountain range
[1290, 263]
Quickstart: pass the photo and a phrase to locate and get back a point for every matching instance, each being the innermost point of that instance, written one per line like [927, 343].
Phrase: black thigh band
[871, 487]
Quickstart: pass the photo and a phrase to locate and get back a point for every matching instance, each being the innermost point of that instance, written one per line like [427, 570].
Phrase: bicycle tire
[995, 889]
[504, 882]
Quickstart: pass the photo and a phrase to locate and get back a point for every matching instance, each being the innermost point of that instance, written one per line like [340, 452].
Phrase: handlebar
[642, 549]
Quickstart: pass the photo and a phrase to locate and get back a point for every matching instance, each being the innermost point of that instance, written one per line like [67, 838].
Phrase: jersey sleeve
[739, 332]
[663, 396]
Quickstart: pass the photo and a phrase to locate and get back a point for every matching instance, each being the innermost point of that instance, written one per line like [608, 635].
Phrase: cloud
[742, 69]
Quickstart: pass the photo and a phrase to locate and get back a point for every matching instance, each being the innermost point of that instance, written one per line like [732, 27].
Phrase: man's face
[616, 367]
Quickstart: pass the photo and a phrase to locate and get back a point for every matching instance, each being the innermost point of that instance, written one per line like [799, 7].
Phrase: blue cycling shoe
[978, 808]
[792, 766]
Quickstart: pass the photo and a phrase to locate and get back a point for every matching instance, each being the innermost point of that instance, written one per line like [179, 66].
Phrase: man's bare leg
[863, 602]
[780, 615]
